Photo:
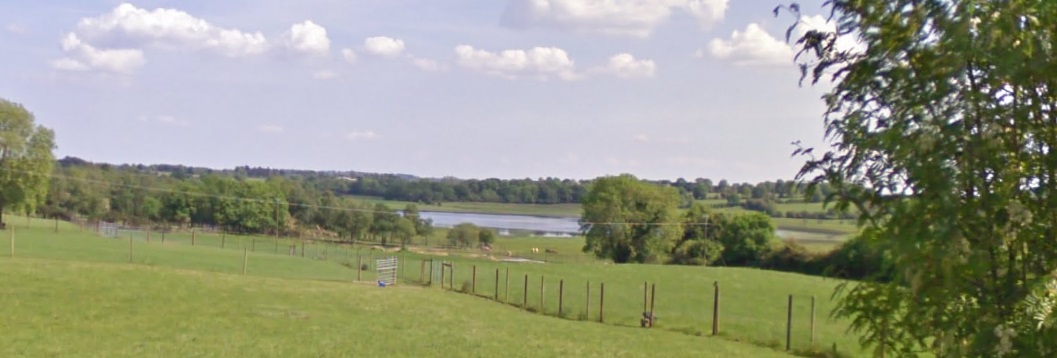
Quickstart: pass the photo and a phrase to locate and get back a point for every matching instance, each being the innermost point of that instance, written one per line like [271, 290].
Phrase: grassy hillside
[56, 308]
[753, 301]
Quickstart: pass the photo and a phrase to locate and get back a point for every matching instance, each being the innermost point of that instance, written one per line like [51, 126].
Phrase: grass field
[753, 301]
[57, 308]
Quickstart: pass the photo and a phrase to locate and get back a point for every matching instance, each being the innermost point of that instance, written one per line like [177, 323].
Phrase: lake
[553, 226]
[549, 226]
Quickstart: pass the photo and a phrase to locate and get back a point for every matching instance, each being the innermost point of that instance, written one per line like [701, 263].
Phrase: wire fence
[609, 294]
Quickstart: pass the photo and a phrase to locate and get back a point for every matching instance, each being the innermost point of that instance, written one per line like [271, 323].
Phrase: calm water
[547, 226]
[544, 225]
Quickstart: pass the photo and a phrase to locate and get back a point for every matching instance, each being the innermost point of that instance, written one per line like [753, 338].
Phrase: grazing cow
[552, 251]
[509, 254]
[535, 250]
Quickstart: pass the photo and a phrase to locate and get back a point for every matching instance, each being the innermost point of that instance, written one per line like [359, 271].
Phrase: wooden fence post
[812, 322]
[451, 277]
[653, 301]
[543, 309]
[524, 294]
[789, 325]
[473, 280]
[431, 272]
[645, 297]
[561, 296]
[192, 237]
[245, 260]
[715, 309]
[587, 306]
[496, 285]
[421, 270]
[601, 302]
[253, 245]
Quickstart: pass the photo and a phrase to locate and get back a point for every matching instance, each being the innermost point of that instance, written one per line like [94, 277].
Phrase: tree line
[285, 205]
[628, 220]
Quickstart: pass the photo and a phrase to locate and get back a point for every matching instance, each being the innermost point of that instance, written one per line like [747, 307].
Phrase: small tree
[628, 220]
[26, 159]
[463, 235]
[485, 236]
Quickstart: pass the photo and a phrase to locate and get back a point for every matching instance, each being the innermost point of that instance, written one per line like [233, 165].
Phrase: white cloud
[642, 138]
[85, 56]
[707, 12]
[269, 128]
[115, 41]
[131, 26]
[752, 47]
[349, 55]
[383, 46]
[358, 135]
[69, 64]
[427, 64]
[307, 37]
[16, 29]
[612, 17]
[540, 62]
[756, 47]
[324, 74]
[625, 65]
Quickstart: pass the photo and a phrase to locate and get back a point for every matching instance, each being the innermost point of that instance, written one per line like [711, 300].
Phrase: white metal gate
[387, 270]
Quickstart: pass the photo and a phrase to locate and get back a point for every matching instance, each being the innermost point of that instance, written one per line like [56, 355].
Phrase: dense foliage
[628, 220]
[943, 135]
[25, 158]
[289, 205]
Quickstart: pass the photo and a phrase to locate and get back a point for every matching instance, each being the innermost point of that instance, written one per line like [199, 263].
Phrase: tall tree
[943, 134]
[627, 220]
[26, 159]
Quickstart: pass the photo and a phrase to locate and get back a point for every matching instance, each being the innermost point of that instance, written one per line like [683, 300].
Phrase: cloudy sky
[469, 88]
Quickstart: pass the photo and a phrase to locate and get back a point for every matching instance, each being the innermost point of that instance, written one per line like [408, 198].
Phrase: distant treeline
[405, 187]
[291, 204]
[284, 199]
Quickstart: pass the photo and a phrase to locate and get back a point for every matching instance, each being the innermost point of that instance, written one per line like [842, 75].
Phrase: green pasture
[66, 308]
[752, 309]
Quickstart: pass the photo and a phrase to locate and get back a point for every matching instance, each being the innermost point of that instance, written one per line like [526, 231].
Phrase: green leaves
[942, 136]
[26, 158]
[628, 220]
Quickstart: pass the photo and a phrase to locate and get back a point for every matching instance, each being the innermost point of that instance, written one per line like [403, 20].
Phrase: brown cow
[552, 251]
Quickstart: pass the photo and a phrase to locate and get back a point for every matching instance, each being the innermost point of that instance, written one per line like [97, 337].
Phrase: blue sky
[474, 89]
